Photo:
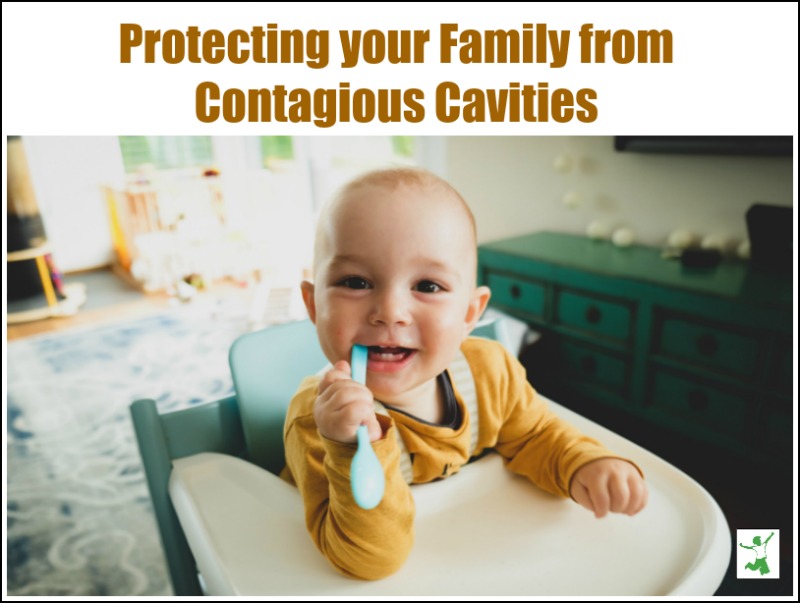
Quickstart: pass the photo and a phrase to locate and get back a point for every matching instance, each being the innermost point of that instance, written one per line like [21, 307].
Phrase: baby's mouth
[389, 354]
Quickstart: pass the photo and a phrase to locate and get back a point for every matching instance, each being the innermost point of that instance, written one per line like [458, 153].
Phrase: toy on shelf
[167, 230]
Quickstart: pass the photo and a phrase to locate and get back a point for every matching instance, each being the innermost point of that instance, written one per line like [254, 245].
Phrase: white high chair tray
[484, 531]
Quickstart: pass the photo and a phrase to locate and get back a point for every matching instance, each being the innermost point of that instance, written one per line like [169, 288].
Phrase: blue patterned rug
[80, 520]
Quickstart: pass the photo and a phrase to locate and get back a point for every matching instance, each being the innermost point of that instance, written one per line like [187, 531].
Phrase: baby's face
[396, 272]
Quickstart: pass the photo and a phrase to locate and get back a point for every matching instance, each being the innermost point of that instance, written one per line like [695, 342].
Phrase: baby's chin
[398, 394]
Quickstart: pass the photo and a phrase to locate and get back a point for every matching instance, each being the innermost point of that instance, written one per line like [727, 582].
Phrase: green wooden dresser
[702, 352]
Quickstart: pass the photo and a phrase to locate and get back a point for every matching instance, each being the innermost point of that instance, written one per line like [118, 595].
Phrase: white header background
[734, 68]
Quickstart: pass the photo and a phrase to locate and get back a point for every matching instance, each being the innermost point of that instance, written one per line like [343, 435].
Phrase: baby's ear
[478, 303]
[307, 289]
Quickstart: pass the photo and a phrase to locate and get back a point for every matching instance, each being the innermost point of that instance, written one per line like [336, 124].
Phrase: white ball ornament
[743, 250]
[572, 200]
[680, 239]
[713, 241]
[598, 230]
[623, 237]
[563, 163]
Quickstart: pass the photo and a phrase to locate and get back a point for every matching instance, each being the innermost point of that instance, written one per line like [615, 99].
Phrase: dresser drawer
[698, 407]
[600, 316]
[775, 434]
[517, 293]
[698, 343]
[781, 367]
[586, 365]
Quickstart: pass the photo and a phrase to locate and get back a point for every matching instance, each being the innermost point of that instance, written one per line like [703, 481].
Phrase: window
[280, 148]
[165, 152]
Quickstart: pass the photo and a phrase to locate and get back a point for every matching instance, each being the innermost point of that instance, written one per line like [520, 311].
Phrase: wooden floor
[111, 299]
[147, 305]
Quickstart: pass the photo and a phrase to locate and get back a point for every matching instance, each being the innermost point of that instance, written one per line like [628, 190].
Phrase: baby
[395, 265]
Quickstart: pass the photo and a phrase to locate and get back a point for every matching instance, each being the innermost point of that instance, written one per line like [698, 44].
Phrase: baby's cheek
[447, 322]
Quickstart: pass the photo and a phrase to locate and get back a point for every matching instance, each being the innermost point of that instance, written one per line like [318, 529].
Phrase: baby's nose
[391, 308]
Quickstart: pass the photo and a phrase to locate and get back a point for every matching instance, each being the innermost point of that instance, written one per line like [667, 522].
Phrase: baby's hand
[342, 405]
[609, 485]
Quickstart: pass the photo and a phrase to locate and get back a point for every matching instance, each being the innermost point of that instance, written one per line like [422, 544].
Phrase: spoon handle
[366, 473]
[358, 364]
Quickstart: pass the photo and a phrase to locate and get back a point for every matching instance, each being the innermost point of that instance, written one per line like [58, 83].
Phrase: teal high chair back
[267, 367]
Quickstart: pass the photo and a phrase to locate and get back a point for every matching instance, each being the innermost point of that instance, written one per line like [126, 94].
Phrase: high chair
[222, 511]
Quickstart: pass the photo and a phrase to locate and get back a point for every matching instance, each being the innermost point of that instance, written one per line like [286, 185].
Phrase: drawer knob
[593, 315]
[515, 291]
[589, 365]
[706, 344]
[698, 400]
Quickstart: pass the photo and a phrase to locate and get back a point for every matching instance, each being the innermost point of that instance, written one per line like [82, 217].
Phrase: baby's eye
[354, 282]
[428, 287]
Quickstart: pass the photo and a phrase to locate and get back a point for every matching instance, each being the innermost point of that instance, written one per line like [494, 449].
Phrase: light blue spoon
[366, 474]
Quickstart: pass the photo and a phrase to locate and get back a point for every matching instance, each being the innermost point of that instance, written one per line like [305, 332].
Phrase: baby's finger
[619, 493]
[598, 491]
[639, 494]
[339, 372]
[344, 393]
[374, 428]
[581, 496]
[340, 411]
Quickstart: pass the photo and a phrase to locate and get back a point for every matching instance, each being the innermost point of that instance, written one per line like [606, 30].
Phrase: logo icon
[758, 554]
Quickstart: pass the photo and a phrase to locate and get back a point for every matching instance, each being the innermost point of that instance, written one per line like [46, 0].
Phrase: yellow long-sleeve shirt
[512, 420]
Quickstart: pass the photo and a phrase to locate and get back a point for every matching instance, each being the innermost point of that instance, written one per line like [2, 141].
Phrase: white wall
[513, 187]
[67, 174]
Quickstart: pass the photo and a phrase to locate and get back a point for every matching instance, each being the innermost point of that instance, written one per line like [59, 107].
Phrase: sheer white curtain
[271, 203]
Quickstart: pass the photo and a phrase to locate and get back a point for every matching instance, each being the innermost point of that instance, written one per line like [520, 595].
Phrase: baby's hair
[392, 179]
